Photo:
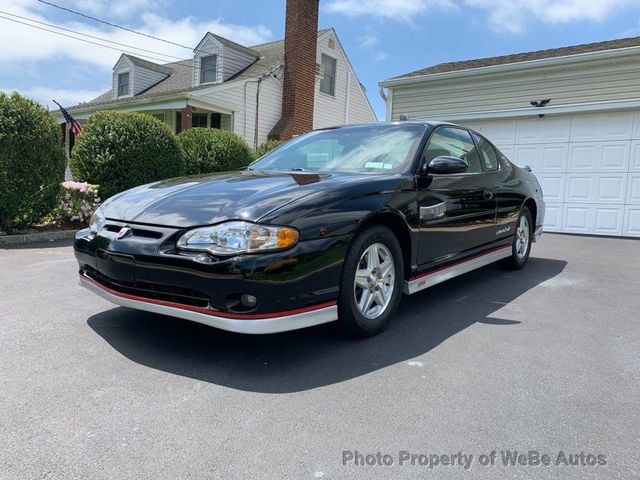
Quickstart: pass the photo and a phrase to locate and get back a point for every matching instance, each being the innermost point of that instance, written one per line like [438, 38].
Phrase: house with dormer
[273, 90]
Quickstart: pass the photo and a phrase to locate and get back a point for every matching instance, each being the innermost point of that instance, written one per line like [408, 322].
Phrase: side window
[488, 153]
[453, 142]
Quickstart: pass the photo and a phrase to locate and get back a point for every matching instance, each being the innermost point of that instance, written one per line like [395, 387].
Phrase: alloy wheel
[522, 237]
[374, 281]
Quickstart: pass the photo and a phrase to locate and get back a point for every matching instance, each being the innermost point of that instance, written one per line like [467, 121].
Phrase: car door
[457, 210]
[506, 188]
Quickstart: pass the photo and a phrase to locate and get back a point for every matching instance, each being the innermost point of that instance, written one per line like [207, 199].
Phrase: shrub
[211, 150]
[32, 161]
[77, 202]
[267, 146]
[119, 151]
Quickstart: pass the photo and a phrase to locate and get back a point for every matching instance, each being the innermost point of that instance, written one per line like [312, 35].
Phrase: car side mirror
[443, 165]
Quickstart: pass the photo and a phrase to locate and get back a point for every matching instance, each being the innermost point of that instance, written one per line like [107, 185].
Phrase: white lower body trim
[260, 326]
[440, 275]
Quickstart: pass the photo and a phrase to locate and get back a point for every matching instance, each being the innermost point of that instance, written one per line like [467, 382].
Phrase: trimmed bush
[267, 146]
[31, 161]
[208, 150]
[119, 151]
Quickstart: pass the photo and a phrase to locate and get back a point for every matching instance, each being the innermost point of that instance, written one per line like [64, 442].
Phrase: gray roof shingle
[524, 57]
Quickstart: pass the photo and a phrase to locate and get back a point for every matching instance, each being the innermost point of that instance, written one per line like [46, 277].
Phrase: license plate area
[117, 266]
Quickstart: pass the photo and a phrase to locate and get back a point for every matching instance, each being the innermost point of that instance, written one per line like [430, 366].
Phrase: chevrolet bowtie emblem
[123, 232]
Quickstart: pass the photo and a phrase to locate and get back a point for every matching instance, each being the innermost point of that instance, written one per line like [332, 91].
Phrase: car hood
[206, 200]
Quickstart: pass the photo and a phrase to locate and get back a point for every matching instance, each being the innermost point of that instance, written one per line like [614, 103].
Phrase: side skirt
[442, 274]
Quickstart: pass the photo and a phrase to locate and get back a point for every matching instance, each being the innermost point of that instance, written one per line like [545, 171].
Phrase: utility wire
[126, 29]
[112, 24]
[186, 63]
[90, 36]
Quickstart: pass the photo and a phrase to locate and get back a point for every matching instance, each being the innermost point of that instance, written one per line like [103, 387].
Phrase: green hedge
[209, 150]
[267, 146]
[31, 161]
[119, 151]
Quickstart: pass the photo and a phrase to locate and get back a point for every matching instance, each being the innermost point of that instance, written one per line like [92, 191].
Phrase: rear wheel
[521, 247]
[371, 282]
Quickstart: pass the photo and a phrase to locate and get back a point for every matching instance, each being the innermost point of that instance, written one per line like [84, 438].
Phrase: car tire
[521, 247]
[371, 282]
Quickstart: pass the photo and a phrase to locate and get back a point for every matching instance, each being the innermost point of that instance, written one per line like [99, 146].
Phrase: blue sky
[383, 38]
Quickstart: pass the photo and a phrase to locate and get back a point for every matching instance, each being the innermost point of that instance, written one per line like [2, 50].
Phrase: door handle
[487, 194]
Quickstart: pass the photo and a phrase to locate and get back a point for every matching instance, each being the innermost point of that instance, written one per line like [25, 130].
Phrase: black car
[333, 225]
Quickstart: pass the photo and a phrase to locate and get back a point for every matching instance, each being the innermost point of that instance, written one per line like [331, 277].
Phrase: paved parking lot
[545, 359]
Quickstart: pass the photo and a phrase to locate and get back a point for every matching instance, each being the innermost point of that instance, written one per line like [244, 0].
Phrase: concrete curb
[36, 237]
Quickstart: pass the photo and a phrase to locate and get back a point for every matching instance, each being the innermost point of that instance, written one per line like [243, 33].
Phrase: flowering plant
[77, 202]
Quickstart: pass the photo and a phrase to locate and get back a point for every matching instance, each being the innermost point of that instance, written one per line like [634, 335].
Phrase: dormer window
[208, 69]
[123, 84]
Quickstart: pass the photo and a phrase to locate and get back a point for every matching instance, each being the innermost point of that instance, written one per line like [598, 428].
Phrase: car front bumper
[294, 289]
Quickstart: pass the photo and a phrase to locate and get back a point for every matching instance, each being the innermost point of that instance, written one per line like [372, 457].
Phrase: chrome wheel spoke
[385, 268]
[365, 300]
[362, 278]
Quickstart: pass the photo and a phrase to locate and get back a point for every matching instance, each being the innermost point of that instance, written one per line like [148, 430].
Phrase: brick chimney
[298, 86]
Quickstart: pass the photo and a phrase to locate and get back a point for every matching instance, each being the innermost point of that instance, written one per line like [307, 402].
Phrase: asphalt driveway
[544, 360]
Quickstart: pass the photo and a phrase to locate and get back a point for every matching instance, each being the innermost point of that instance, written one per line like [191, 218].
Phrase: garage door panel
[543, 130]
[508, 151]
[633, 189]
[595, 188]
[634, 163]
[587, 163]
[501, 132]
[599, 157]
[602, 126]
[591, 218]
[542, 158]
[553, 217]
[632, 221]
[636, 125]
[552, 187]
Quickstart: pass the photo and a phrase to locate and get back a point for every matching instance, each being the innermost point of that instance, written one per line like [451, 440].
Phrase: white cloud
[65, 96]
[511, 16]
[514, 15]
[380, 56]
[36, 44]
[368, 40]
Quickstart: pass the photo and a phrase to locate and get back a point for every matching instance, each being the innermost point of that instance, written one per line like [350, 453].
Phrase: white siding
[590, 82]
[140, 78]
[232, 97]
[143, 78]
[233, 61]
[123, 65]
[208, 46]
[230, 60]
[332, 110]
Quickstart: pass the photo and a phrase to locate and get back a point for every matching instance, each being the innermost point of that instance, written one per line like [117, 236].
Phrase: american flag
[76, 128]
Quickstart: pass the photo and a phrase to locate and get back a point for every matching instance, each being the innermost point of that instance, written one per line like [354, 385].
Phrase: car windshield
[369, 149]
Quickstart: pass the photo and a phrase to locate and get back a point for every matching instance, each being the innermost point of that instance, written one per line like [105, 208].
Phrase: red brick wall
[300, 45]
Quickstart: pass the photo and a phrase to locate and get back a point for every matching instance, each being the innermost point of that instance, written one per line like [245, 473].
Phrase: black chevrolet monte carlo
[333, 225]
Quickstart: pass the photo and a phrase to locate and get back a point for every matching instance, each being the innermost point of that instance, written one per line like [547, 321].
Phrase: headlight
[238, 237]
[97, 220]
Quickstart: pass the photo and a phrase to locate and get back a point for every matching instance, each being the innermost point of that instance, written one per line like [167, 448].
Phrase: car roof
[429, 123]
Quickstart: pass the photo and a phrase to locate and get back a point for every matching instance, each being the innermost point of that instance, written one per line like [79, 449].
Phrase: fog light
[203, 258]
[248, 300]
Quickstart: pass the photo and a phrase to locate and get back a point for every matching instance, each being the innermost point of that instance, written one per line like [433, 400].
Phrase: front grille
[156, 291]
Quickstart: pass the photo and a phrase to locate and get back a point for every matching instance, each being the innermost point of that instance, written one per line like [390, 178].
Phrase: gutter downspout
[258, 81]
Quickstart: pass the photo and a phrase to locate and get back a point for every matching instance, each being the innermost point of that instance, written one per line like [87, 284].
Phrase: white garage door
[588, 165]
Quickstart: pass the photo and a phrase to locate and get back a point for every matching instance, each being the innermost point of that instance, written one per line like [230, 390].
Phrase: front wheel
[371, 282]
[521, 247]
